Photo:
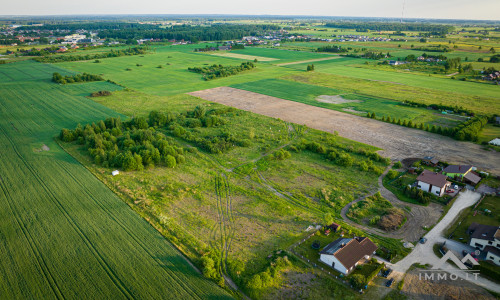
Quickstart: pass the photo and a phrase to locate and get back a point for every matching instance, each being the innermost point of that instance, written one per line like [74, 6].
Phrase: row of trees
[112, 53]
[218, 71]
[194, 34]
[84, 77]
[334, 49]
[381, 26]
[466, 131]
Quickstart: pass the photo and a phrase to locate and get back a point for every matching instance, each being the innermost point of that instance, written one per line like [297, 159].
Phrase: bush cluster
[129, 146]
[85, 77]
[218, 71]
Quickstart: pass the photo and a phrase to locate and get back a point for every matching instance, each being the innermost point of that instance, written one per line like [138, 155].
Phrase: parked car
[386, 273]
[423, 240]
[450, 191]
[389, 282]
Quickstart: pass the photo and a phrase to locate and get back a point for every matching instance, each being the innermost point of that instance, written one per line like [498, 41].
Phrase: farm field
[398, 92]
[173, 78]
[343, 101]
[64, 233]
[283, 56]
[414, 80]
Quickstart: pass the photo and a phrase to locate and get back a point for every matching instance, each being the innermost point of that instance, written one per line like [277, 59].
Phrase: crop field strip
[72, 237]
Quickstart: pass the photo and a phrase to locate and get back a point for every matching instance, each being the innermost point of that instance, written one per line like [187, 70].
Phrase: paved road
[418, 216]
[397, 142]
[424, 254]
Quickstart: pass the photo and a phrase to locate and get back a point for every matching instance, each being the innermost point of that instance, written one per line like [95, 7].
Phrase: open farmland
[398, 142]
[343, 101]
[64, 234]
[413, 80]
[143, 73]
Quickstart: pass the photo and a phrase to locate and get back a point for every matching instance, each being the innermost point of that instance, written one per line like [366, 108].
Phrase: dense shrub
[218, 71]
[58, 78]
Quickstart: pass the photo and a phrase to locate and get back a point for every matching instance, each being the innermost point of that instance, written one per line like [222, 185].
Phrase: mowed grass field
[414, 80]
[308, 94]
[174, 77]
[64, 234]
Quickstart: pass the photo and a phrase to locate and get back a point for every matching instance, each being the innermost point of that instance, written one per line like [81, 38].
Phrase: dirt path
[412, 230]
[397, 142]
[307, 61]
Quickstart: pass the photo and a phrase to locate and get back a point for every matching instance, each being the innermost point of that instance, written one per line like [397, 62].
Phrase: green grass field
[308, 94]
[174, 77]
[64, 234]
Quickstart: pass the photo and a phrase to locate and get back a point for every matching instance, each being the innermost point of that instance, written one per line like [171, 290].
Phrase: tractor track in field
[104, 265]
[31, 242]
[132, 236]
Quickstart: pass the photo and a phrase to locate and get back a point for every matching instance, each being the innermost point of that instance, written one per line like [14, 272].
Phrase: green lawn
[478, 215]
[64, 233]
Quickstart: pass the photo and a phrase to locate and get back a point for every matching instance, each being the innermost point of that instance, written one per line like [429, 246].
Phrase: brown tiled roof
[353, 251]
[432, 178]
[457, 169]
[484, 232]
[472, 177]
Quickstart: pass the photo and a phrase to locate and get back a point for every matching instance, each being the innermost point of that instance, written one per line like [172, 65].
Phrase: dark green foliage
[100, 94]
[85, 77]
[112, 53]
[393, 26]
[130, 145]
[218, 71]
[334, 49]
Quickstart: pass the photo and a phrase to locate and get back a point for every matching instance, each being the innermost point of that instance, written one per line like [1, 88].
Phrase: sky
[436, 9]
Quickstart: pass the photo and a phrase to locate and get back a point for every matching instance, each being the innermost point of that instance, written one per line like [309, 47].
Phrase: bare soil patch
[335, 99]
[398, 142]
[415, 288]
[352, 110]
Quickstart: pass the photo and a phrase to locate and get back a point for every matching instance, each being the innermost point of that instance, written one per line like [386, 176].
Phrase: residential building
[487, 239]
[344, 254]
[433, 183]
[457, 172]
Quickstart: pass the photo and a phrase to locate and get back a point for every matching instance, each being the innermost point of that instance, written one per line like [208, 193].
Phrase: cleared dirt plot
[335, 99]
[398, 142]
[242, 56]
[435, 289]
[63, 233]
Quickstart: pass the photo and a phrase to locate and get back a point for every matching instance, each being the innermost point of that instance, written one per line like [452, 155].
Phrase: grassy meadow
[64, 233]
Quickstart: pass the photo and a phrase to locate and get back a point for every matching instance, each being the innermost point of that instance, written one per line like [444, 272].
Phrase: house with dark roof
[344, 254]
[457, 172]
[487, 239]
[430, 161]
[433, 183]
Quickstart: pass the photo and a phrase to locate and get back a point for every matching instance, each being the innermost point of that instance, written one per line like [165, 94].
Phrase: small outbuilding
[115, 172]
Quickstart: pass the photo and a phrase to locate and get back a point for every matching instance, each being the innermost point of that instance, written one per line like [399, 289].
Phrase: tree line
[189, 33]
[84, 77]
[465, 131]
[381, 26]
[333, 49]
[112, 53]
[217, 71]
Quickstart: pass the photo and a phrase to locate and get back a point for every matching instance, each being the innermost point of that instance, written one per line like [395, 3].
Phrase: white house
[487, 239]
[344, 254]
[495, 142]
[433, 183]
